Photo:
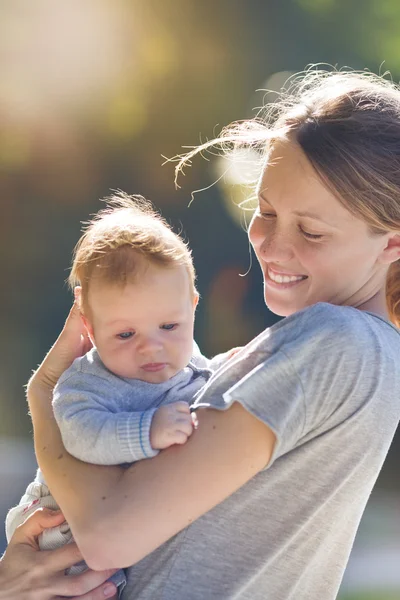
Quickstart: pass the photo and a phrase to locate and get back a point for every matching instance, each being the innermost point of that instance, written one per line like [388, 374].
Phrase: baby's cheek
[112, 357]
[184, 350]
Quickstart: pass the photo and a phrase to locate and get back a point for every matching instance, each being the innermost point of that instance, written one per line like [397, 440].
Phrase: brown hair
[117, 239]
[348, 125]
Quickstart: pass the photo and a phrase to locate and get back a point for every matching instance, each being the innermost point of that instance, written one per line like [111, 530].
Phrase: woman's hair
[120, 239]
[348, 125]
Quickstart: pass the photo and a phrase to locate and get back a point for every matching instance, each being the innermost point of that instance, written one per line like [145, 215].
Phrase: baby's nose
[149, 344]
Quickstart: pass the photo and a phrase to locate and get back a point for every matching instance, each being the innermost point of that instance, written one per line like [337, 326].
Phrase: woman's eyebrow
[263, 197]
[306, 213]
[310, 215]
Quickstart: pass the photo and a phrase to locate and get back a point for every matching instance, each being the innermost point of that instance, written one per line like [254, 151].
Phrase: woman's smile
[281, 278]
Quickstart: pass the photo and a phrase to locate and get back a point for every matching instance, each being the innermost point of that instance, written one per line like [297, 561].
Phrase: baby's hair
[120, 240]
[348, 125]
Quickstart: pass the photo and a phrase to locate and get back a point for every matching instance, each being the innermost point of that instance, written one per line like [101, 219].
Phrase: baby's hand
[171, 424]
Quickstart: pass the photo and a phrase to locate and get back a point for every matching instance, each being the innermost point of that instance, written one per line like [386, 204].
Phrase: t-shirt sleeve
[219, 359]
[295, 376]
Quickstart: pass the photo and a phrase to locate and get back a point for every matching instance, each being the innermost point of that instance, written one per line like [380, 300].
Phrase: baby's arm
[93, 428]
[95, 431]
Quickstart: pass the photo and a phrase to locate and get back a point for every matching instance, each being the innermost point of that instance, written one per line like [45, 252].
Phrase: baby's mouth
[153, 367]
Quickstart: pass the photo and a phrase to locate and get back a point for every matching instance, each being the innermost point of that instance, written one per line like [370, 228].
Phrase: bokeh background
[93, 95]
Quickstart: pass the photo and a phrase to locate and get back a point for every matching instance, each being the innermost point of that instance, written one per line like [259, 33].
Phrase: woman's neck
[376, 304]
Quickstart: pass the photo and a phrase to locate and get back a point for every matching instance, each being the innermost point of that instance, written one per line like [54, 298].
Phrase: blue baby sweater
[105, 419]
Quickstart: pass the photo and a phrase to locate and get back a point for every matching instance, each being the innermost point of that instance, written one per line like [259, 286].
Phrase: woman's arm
[28, 574]
[118, 516]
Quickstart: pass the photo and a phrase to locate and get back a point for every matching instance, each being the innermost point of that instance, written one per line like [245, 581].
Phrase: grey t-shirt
[327, 382]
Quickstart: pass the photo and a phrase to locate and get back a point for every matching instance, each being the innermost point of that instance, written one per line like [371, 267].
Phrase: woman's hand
[26, 573]
[72, 342]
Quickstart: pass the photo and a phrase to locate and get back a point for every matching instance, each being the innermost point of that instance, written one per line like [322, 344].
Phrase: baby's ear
[195, 300]
[86, 322]
[88, 327]
[78, 296]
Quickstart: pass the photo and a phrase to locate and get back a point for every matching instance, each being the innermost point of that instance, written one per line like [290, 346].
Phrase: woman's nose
[277, 246]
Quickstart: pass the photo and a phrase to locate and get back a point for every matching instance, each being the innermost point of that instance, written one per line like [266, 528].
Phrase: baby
[127, 398]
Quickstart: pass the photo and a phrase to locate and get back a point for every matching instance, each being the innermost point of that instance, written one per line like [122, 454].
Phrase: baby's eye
[169, 326]
[125, 335]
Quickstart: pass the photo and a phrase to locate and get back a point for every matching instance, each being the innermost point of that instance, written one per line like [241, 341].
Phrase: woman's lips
[153, 367]
[279, 280]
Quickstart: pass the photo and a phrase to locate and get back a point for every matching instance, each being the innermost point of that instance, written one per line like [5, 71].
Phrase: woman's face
[310, 248]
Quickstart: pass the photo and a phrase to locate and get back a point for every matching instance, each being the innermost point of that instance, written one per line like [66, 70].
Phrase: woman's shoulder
[324, 326]
[333, 318]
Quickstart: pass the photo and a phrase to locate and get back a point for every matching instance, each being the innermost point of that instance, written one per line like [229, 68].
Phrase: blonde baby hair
[120, 239]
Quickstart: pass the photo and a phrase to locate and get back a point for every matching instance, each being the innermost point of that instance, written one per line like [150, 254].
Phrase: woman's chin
[282, 309]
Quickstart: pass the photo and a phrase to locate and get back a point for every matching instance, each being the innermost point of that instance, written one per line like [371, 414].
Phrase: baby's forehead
[147, 276]
[159, 294]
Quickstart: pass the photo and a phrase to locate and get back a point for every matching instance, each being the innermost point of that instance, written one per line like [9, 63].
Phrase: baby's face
[145, 329]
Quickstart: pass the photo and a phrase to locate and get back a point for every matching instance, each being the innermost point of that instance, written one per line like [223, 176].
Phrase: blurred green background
[93, 95]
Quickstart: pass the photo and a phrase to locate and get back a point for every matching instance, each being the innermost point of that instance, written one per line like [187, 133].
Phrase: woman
[293, 431]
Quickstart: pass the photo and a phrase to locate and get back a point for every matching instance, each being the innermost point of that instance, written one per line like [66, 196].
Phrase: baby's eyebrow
[124, 323]
[173, 319]
[116, 322]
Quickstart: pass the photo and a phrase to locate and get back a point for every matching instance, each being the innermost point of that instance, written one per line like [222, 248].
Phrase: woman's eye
[169, 326]
[266, 215]
[125, 335]
[311, 236]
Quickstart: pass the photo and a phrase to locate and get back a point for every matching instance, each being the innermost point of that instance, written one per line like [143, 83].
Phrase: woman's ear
[391, 252]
